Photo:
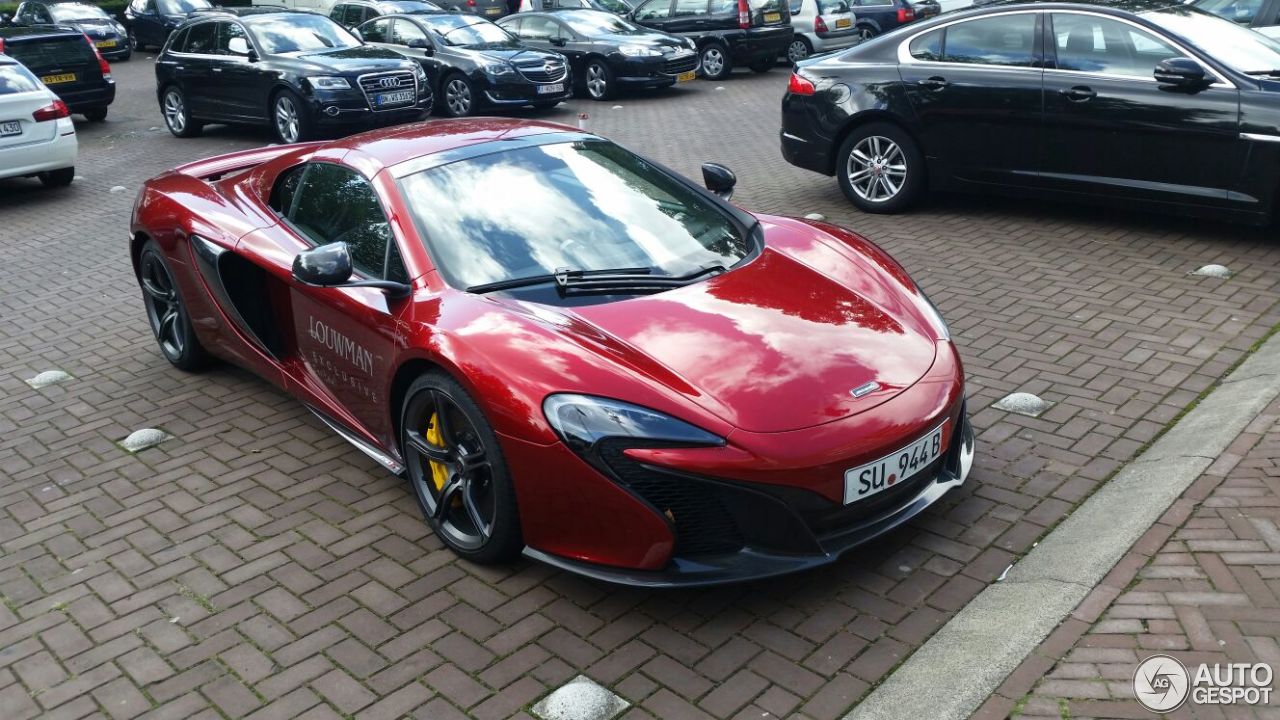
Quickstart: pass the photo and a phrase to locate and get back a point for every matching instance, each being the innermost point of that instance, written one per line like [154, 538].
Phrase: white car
[821, 26]
[37, 136]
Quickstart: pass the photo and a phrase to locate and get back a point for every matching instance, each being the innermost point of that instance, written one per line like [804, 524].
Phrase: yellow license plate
[493, 11]
[106, 43]
[687, 76]
[772, 17]
[843, 23]
[54, 79]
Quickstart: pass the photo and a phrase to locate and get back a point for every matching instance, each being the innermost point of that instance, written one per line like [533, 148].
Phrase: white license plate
[866, 480]
[10, 127]
[393, 98]
[552, 88]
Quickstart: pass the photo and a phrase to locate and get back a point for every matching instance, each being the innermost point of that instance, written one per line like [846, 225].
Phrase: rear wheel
[599, 80]
[134, 45]
[715, 61]
[763, 65]
[289, 118]
[459, 100]
[167, 313]
[61, 177]
[177, 117]
[880, 168]
[96, 114]
[457, 471]
[866, 32]
[799, 49]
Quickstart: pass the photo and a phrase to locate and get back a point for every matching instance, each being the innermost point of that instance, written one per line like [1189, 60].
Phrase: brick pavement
[257, 566]
[1202, 586]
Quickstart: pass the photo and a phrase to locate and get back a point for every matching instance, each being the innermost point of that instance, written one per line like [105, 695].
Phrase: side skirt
[378, 456]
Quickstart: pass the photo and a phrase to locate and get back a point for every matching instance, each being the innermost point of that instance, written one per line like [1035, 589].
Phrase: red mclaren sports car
[570, 351]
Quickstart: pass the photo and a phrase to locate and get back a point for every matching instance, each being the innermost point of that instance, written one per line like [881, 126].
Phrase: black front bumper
[84, 99]
[655, 72]
[518, 92]
[739, 534]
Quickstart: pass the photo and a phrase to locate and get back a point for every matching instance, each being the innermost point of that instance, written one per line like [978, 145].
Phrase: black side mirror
[559, 41]
[330, 266]
[420, 44]
[1181, 72]
[719, 179]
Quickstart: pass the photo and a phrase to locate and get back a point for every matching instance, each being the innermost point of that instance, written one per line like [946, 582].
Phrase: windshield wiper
[577, 282]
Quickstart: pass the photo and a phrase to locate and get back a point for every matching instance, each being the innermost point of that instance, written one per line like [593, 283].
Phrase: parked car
[821, 26]
[299, 73]
[559, 371]
[37, 137]
[617, 7]
[607, 52]
[67, 62]
[473, 64]
[1261, 15]
[1164, 107]
[881, 16]
[107, 34]
[150, 22]
[754, 33]
[488, 9]
[351, 13]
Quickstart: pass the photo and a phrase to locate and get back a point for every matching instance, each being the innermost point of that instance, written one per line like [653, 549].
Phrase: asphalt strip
[952, 674]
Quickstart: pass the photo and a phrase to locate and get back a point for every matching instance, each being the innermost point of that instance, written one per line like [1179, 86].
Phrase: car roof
[1130, 6]
[36, 32]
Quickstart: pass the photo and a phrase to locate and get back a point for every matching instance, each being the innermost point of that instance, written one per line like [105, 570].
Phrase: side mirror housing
[420, 44]
[1181, 72]
[719, 179]
[330, 266]
[559, 41]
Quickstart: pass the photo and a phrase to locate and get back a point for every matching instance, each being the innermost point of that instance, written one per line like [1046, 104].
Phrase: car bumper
[656, 72]
[117, 53]
[523, 92]
[808, 153]
[83, 99]
[827, 42]
[353, 111]
[41, 156]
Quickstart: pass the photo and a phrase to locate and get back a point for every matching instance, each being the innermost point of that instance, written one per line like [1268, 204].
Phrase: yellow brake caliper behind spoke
[439, 473]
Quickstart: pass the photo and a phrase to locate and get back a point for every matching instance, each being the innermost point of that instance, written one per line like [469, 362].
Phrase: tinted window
[376, 31]
[587, 205]
[1240, 11]
[285, 189]
[227, 31]
[538, 28]
[34, 13]
[299, 32]
[337, 205]
[1100, 45]
[71, 12]
[655, 10]
[182, 7]
[1004, 40]
[875, 3]
[511, 24]
[687, 8]
[403, 31]
[599, 23]
[465, 30]
[200, 38]
[927, 46]
[338, 13]
[16, 79]
[1246, 50]
[52, 52]
[177, 40]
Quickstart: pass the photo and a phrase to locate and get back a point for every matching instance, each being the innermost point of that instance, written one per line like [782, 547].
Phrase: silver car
[820, 26]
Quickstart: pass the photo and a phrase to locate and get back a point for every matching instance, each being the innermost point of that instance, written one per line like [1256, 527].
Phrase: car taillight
[800, 85]
[471, 3]
[744, 14]
[1, 46]
[906, 15]
[102, 62]
[819, 26]
[51, 112]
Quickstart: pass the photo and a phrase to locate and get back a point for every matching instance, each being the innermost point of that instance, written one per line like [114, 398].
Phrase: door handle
[1080, 93]
[217, 69]
[934, 83]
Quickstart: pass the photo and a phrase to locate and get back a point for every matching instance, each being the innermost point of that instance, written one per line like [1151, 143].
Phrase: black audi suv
[299, 73]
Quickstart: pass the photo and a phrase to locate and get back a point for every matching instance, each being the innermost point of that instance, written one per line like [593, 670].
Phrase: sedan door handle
[933, 83]
[217, 69]
[1080, 93]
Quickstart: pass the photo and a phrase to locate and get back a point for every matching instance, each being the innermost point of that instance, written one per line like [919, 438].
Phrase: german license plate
[864, 481]
[843, 22]
[772, 17]
[106, 43]
[393, 98]
[10, 127]
[551, 89]
[687, 76]
[493, 11]
[54, 79]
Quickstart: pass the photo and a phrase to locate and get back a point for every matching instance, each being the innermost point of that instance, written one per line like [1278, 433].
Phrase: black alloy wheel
[167, 313]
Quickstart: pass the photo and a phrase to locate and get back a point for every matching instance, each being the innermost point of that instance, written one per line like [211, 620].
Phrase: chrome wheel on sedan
[880, 168]
[457, 97]
[286, 119]
[599, 80]
[877, 169]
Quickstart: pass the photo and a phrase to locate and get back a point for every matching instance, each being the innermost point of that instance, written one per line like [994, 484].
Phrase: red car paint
[765, 355]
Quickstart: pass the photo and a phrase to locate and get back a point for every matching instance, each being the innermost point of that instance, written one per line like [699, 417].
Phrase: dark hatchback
[298, 73]
[149, 22]
[727, 32]
[607, 52]
[1130, 103]
[472, 63]
[350, 14]
[107, 34]
[67, 63]
[875, 17]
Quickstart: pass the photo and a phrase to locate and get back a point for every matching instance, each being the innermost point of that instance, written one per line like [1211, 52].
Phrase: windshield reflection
[299, 32]
[1245, 50]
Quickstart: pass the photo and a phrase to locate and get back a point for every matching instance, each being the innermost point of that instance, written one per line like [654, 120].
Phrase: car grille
[373, 84]
[543, 71]
[680, 64]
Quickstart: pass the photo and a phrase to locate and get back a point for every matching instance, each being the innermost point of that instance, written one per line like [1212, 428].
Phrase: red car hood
[773, 345]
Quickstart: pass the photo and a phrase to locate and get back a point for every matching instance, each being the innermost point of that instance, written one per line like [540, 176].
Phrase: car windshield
[582, 205]
[16, 79]
[1238, 47]
[1238, 11]
[300, 32]
[592, 24]
[828, 7]
[182, 7]
[617, 6]
[460, 30]
[71, 12]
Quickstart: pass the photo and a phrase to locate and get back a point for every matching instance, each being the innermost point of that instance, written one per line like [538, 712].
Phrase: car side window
[689, 8]
[795, 7]
[286, 189]
[1002, 40]
[200, 39]
[875, 3]
[1240, 11]
[354, 16]
[927, 47]
[540, 28]
[338, 13]
[654, 10]
[177, 40]
[377, 31]
[232, 40]
[1088, 43]
[404, 31]
[513, 25]
[335, 204]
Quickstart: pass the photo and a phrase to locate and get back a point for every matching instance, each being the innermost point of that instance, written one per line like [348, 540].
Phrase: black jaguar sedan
[606, 51]
[299, 73]
[472, 63]
[1140, 103]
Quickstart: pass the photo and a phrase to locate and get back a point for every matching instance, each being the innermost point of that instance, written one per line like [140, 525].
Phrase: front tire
[290, 121]
[177, 116]
[598, 80]
[459, 97]
[167, 313]
[881, 169]
[716, 64]
[799, 49]
[61, 177]
[458, 472]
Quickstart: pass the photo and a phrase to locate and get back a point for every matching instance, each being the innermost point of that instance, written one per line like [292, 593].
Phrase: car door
[654, 13]
[347, 337]
[688, 18]
[977, 90]
[193, 65]
[1111, 128]
[148, 26]
[240, 87]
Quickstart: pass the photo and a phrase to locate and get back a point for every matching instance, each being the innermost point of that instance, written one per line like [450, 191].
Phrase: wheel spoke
[445, 499]
[169, 327]
[431, 452]
[472, 461]
[473, 510]
[861, 157]
[861, 175]
[889, 188]
[156, 293]
[441, 403]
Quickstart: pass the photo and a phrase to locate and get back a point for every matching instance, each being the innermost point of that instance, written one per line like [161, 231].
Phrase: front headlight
[329, 83]
[690, 44]
[499, 68]
[119, 28]
[639, 51]
[583, 420]
[420, 75]
[935, 317]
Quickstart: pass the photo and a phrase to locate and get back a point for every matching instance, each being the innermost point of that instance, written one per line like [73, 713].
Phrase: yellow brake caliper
[439, 473]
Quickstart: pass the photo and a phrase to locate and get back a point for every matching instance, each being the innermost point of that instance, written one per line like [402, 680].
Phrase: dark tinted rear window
[51, 52]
